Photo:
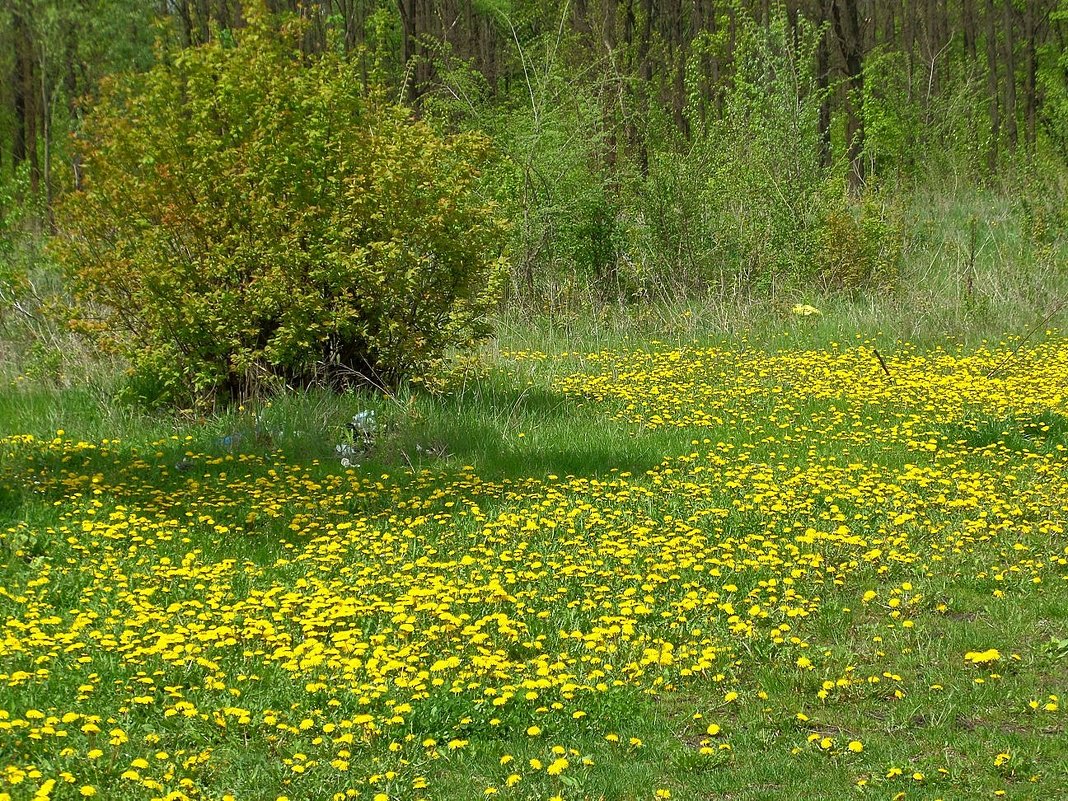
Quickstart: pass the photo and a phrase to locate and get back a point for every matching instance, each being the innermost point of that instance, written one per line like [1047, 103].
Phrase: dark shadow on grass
[480, 426]
[11, 500]
[510, 432]
[1042, 432]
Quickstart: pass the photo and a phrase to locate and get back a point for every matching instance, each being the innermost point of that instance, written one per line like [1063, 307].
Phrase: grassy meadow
[725, 455]
[578, 566]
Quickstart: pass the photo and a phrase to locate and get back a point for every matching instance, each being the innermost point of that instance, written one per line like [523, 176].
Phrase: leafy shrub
[556, 171]
[747, 208]
[253, 215]
[33, 343]
[765, 184]
[860, 244]
[16, 205]
[893, 125]
[740, 209]
[671, 236]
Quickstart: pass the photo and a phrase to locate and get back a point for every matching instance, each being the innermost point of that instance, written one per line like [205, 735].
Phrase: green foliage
[549, 181]
[14, 208]
[747, 208]
[892, 122]
[766, 174]
[859, 244]
[1052, 80]
[251, 215]
[1057, 647]
[31, 343]
[1042, 432]
[460, 90]
[670, 235]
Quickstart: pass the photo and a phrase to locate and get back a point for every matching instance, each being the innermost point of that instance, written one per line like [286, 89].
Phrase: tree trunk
[27, 111]
[609, 103]
[934, 47]
[967, 12]
[715, 65]
[908, 33]
[992, 87]
[645, 73]
[410, 14]
[890, 25]
[823, 82]
[1031, 72]
[18, 138]
[46, 98]
[850, 34]
[1010, 74]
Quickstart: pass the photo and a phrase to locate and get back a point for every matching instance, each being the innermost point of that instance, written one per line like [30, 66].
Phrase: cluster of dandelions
[399, 629]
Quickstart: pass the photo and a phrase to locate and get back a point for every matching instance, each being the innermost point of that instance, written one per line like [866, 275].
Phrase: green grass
[586, 462]
[541, 431]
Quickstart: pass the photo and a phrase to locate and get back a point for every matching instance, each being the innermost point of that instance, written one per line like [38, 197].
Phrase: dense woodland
[592, 92]
[641, 149]
[913, 58]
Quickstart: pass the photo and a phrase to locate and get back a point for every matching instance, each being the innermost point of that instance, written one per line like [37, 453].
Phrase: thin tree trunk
[715, 67]
[26, 106]
[645, 73]
[992, 87]
[933, 41]
[609, 104]
[847, 27]
[1031, 73]
[18, 83]
[823, 82]
[46, 140]
[70, 87]
[1010, 74]
[969, 27]
[408, 13]
[908, 33]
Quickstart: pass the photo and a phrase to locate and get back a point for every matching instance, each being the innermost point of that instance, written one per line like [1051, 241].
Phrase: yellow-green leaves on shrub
[251, 213]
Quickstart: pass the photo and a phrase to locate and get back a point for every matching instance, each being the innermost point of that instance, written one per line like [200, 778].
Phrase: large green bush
[251, 214]
[745, 208]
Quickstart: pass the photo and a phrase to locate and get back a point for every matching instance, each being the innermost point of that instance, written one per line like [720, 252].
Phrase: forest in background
[758, 490]
[642, 150]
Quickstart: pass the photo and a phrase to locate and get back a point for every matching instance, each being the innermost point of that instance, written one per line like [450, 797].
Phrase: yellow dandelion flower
[557, 767]
[983, 657]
